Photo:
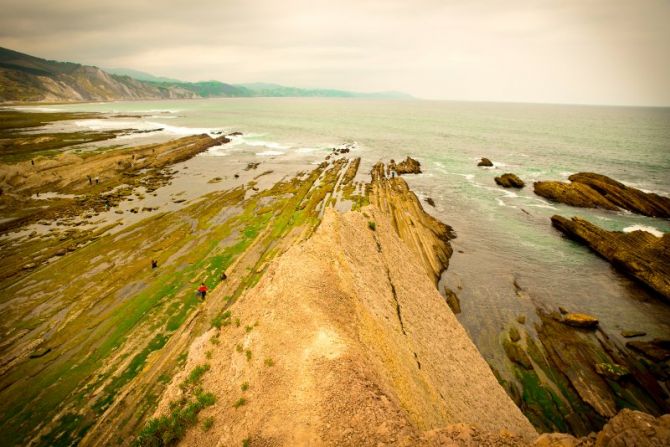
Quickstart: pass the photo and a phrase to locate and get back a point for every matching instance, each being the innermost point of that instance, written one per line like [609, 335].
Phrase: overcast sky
[576, 51]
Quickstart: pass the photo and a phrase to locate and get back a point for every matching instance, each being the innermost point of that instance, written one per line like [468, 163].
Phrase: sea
[508, 260]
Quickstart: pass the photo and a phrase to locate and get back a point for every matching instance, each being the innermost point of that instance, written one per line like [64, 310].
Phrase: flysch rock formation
[349, 343]
[639, 254]
[407, 166]
[425, 235]
[589, 190]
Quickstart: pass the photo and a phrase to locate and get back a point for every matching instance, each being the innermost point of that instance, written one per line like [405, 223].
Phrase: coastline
[331, 185]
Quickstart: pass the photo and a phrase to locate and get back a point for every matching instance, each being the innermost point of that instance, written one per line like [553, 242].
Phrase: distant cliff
[25, 78]
[29, 78]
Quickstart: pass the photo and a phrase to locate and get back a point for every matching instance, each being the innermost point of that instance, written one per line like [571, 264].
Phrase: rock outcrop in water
[509, 180]
[638, 254]
[424, 234]
[407, 166]
[588, 190]
[485, 162]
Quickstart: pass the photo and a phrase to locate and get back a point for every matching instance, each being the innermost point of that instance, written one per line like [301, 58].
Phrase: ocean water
[503, 235]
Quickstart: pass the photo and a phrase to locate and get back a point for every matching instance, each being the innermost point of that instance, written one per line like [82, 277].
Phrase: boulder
[634, 428]
[611, 370]
[452, 300]
[514, 334]
[580, 320]
[591, 190]
[430, 201]
[509, 180]
[485, 162]
[408, 166]
[641, 255]
[631, 334]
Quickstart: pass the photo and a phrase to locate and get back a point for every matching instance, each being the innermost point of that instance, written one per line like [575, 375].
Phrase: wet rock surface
[641, 255]
[589, 190]
[407, 166]
[510, 180]
[580, 320]
[452, 300]
[485, 162]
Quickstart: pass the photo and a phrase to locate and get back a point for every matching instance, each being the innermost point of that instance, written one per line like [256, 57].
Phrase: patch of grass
[239, 402]
[248, 354]
[207, 423]
[239, 348]
[244, 386]
[215, 341]
[237, 322]
[208, 354]
[221, 320]
[246, 442]
[248, 328]
[372, 225]
[167, 430]
[269, 362]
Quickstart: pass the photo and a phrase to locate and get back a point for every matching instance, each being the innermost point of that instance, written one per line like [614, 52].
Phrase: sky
[570, 51]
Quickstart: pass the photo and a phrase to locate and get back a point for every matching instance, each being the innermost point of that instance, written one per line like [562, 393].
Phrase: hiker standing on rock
[202, 290]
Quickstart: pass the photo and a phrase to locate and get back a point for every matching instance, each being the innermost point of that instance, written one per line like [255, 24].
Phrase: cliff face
[346, 341]
[28, 78]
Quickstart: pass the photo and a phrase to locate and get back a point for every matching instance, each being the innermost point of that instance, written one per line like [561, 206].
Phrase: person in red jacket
[202, 290]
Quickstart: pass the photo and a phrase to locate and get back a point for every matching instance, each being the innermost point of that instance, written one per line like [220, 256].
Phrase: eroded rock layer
[638, 254]
[589, 190]
[425, 235]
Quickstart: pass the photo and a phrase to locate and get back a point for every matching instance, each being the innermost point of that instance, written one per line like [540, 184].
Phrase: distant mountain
[28, 78]
[139, 75]
[265, 89]
[25, 78]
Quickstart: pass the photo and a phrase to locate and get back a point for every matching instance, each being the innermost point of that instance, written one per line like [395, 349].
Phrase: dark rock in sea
[516, 354]
[580, 320]
[638, 254]
[430, 201]
[452, 300]
[235, 134]
[485, 162]
[562, 310]
[631, 334]
[589, 190]
[611, 370]
[252, 165]
[509, 180]
[656, 349]
[237, 176]
[407, 166]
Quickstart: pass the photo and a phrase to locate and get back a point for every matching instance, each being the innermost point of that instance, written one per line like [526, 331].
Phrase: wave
[648, 228]
[269, 153]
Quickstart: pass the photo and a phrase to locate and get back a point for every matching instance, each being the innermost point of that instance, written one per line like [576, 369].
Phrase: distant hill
[139, 75]
[28, 78]
[25, 78]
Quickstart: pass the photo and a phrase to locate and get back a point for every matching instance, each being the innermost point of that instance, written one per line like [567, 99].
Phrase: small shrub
[215, 341]
[248, 328]
[239, 348]
[246, 442]
[244, 386]
[372, 225]
[239, 402]
[196, 374]
[205, 399]
[207, 423]
[237, 322]
[269, 362]
[208, 354]
[248, 354]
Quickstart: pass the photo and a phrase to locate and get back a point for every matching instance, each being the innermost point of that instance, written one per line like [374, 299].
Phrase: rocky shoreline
[379, 357]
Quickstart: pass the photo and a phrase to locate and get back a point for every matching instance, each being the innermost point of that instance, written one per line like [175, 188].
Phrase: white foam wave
[39, 109]
[649, 229]
[269, 153]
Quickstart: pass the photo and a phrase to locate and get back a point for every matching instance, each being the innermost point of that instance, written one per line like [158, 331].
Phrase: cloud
[597, 51]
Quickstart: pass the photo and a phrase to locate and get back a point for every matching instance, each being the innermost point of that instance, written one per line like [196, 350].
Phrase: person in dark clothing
[202, 290]
[154, 264]
[223, 276]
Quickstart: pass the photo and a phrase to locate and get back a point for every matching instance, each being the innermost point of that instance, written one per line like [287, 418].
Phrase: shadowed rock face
[639, 254]
[407, 166]
[589, 190]
[510, 180]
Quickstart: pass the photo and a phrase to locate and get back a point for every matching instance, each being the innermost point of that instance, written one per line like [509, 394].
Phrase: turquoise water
[502, 235]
